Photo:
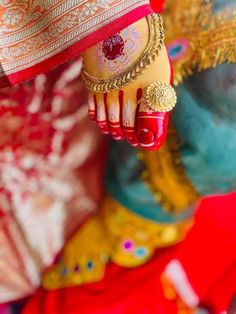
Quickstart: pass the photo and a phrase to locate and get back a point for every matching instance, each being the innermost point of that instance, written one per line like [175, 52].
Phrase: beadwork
[115, 234]
[165, 176]
[198, 39]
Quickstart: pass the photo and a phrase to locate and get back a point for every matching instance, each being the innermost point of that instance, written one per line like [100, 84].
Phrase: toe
[113, 109]
[101, 115]
[91, 107]
[128, 102]
[151, 128]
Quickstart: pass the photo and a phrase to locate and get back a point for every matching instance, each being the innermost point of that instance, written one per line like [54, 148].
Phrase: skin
[205, 119]
[132, 122]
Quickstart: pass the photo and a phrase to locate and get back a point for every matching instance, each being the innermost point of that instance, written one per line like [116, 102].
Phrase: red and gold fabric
[38, 35]
[181, 288]
[49, 182]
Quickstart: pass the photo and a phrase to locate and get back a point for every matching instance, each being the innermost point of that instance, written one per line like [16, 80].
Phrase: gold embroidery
[165, 175]
[206, 40]
[115, 233]
[32, 31]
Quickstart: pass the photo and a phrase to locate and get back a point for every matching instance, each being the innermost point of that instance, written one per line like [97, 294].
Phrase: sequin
[76, 269]
[128, 245]
[178, 49]
[64, 271]
[141, 252]
[90, 265]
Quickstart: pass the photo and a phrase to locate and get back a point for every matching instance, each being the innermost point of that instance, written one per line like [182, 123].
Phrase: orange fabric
[38, 35]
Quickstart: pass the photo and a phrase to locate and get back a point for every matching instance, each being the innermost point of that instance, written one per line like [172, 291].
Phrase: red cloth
[157, 5]
[68, 49]
[208, 253]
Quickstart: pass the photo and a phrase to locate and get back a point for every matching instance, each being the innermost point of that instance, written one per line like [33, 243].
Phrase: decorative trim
[196, 38]
[115, 234]
[57, 34]
[165, 176]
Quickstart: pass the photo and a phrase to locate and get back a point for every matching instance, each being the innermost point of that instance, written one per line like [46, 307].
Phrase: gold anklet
[154, 46]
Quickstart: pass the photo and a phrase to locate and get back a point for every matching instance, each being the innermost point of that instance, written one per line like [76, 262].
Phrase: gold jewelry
[198, 39]
[154, 46]
[160, 97]
[165, 175]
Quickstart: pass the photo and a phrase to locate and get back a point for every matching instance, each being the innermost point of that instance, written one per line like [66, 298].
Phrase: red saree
[38, 35]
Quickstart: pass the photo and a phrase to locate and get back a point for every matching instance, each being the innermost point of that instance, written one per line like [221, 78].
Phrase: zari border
[165, 175]
[198, 39]
[130, 14]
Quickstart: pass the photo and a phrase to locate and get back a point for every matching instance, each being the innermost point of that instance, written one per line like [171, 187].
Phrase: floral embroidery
[116, 234]
[45, 142]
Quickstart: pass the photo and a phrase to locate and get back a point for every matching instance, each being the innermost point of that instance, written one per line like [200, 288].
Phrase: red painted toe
[130, 136]
[152, 129]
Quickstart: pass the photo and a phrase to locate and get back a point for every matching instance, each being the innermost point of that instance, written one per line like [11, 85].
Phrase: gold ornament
[165, 175]
[207, 38]
[154, 46]
[104, 237]
[160, 97]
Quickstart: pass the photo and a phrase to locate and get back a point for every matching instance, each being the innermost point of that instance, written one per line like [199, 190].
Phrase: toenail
[146, 137]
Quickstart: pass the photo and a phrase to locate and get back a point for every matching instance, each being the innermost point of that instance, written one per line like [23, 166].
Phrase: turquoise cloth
[205, 119]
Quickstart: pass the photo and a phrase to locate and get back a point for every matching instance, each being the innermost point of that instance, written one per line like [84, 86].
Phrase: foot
[121, 113]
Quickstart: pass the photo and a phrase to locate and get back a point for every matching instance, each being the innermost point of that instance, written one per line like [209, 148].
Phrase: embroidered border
[197, 38]
[74, 22]
[165, 175]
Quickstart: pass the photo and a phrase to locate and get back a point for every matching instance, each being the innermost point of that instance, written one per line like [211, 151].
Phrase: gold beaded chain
[154, 46]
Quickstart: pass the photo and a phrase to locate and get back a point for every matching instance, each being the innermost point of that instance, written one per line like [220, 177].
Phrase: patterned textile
[48, 181]
[37, 35]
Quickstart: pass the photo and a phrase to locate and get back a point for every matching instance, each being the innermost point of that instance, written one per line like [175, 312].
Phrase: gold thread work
[116, 234]
[207, 39]
[164, 174]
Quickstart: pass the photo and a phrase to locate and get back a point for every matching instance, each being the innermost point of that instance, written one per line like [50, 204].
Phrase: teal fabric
[205, 119]
[220, 5]
[123, 182]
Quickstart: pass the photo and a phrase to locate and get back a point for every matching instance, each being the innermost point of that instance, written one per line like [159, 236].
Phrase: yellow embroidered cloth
[115, 234]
